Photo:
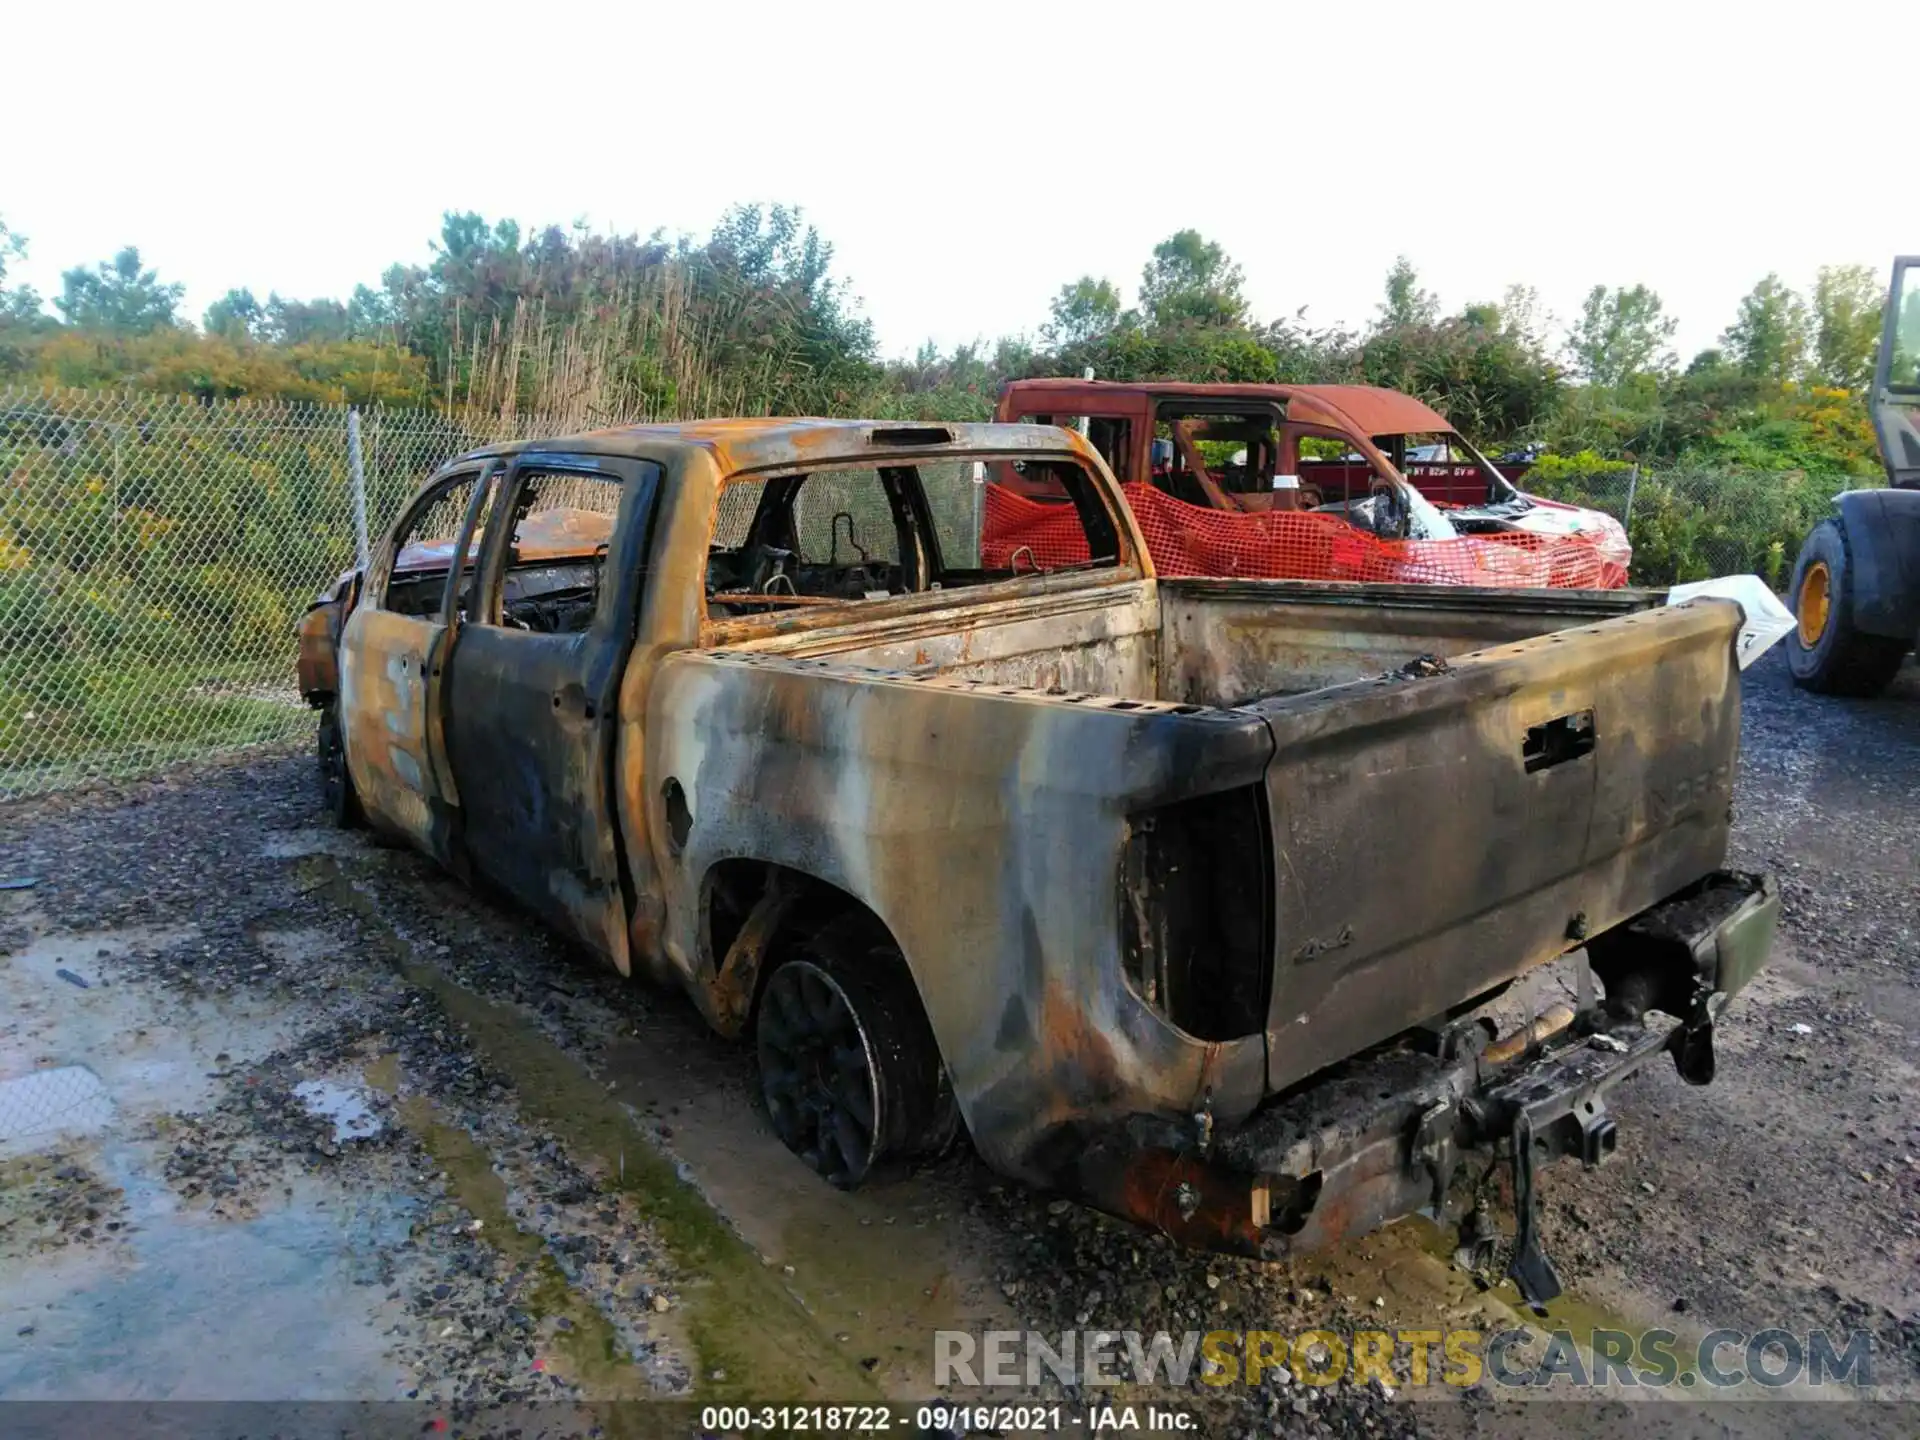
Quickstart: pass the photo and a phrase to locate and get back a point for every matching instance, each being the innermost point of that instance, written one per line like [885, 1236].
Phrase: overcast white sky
[966, 159]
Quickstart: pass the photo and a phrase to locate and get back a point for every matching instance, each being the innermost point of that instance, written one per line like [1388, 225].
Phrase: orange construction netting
[1187, 540]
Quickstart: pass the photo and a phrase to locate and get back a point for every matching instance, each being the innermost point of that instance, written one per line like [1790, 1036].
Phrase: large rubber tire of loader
[1824, 651]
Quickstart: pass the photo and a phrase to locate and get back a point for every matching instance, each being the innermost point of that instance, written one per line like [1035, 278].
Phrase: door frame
[1896, 407]
[596, 899]
[392, 728]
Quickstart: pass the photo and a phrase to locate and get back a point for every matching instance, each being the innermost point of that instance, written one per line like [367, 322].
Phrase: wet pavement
[117, 1284]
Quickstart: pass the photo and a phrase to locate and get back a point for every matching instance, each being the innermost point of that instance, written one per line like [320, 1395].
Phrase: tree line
[154, 554]
[753, 319]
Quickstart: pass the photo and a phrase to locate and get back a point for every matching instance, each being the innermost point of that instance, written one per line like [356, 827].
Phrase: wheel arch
[752, 911]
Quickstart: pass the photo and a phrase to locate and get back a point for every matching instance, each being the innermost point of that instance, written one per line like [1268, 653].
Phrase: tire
[849, 1070]
[1824, 652]
[336, 784]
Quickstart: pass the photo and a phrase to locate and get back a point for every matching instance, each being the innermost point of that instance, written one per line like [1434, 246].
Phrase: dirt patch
[52, 1200]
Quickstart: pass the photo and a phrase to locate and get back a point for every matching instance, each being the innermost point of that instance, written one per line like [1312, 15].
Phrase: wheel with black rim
[848, 1066]
[1824, 650]
[336, 785]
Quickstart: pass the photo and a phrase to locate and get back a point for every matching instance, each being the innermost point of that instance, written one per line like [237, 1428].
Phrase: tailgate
[1436, 834]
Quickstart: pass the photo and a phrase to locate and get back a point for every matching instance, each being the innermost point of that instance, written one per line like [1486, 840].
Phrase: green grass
[66, 723]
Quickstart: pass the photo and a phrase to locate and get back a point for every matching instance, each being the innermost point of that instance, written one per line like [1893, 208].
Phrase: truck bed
[1452, 786]
[1204, 642]
[1229, 642]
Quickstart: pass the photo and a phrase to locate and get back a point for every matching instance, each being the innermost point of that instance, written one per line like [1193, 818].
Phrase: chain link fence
[1695, 523]
[48, 1102]
[156, 552]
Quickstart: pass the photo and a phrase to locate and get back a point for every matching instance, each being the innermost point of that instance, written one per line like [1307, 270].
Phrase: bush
[1692, 522]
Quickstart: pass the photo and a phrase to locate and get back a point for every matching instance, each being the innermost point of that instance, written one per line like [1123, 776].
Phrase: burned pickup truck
[1193, 899]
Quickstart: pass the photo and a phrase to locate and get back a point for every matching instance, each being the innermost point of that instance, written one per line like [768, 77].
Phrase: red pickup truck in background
[1444, 470]
[1304, 482]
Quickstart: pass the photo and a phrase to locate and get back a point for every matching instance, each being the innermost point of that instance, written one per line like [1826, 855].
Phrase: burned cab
[1210, 901]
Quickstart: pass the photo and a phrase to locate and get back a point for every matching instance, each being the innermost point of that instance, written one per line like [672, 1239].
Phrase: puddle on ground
[589, 1350]
[294, 949]
[282, 1306]
[887, 1266]
[879, 1270]
[299, 844]
[150, 1051]
[65, 1100]
[80, 954]
[112, 1288]
[1403, 1277]
[347, 1106]
[829, 1289]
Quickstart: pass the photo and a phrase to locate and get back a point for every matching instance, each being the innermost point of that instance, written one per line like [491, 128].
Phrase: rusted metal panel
[1231, 641]
[316, 666]
[392, 685]
[983, 828]
[1097, 636]
[386, 662]
[531, 715]
[1494, 864]
[557, 534]
[1369, 409]
[965, 826]
[1360, 411]
[920, 632]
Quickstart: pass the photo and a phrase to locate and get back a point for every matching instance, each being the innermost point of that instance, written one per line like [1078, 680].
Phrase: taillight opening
[1196, 912]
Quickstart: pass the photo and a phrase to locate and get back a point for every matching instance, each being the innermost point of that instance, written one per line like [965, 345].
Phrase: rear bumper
[1383, 1135]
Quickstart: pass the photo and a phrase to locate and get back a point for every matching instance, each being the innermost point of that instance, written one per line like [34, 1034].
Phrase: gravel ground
[1789, 1191]
[215, 878]
[563, 1188]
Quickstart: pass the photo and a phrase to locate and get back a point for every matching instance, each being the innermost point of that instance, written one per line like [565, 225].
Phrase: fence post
[978, 471]
[1633, 480]
[357, 476]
